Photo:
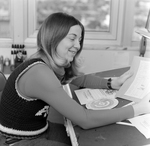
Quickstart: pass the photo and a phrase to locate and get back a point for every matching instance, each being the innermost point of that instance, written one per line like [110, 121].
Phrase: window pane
[142, 8]
[4, 19]
[94, 14]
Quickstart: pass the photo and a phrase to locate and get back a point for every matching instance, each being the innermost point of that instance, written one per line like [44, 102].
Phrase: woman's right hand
[142, 107]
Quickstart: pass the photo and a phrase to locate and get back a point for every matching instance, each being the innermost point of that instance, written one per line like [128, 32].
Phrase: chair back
[2, 83]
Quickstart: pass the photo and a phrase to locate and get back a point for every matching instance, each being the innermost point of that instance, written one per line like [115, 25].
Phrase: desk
[114, 134]
[110, 135]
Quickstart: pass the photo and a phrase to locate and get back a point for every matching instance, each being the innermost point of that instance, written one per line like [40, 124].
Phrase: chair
[2, 82]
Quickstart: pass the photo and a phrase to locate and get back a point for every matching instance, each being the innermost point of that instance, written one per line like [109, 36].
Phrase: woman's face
[70, 45]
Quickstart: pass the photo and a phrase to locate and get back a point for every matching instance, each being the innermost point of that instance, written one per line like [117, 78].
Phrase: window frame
[23, 26]
[113, 37]
[129, 27]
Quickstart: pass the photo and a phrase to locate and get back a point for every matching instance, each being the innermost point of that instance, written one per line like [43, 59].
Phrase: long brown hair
[52, 31]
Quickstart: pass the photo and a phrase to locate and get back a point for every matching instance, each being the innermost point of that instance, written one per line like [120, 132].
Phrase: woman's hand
[117, 83]
[142, 107]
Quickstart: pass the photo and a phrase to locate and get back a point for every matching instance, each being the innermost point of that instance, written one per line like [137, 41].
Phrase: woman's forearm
[90, 81]
[105, 117]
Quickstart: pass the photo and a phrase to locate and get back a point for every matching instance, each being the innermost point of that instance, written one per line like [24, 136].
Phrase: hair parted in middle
[55, 28]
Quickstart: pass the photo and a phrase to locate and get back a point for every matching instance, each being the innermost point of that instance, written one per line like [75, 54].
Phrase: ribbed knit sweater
[21, 117]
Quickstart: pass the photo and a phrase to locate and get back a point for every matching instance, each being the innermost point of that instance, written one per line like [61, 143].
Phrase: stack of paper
[87, 95]
[97, 99]
[142, 123]
[138, 85]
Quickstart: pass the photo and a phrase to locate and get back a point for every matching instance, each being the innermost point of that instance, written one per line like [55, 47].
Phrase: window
[107, 22]
[142, 8]
[5, 19]
[100, 18]
[94, 15]
[133, 10]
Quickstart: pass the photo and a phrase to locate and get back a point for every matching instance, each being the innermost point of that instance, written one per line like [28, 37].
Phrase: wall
[101, 60]
[97, 60]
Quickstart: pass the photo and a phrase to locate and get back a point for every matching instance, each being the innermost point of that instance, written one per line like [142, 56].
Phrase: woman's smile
[70, 45]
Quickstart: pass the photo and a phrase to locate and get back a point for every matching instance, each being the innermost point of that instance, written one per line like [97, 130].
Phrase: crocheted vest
[21, 117]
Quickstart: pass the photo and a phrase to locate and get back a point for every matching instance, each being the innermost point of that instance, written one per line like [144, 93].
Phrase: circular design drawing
[103, 103]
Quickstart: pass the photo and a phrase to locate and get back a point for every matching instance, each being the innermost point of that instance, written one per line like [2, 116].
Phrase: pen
[129, 104]
[124, 123]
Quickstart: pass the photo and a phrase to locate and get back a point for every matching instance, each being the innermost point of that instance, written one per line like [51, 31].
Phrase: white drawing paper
[142, 123]
[141, 84]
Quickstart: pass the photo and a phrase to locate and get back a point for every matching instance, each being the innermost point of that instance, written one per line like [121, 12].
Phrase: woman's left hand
[117, 83]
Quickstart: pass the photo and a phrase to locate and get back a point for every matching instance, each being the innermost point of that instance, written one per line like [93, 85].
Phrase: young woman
[36, 84]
